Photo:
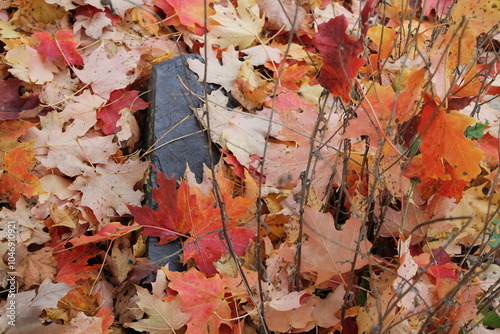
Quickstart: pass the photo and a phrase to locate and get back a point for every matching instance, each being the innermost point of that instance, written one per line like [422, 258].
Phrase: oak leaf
[164, 317]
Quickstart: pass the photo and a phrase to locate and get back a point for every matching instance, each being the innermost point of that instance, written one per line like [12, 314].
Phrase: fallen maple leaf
[282, 15]
[237, 26]
[17, 179]
[478, 209]
[28, 65]
[85, 324]
[93, 22]
[108, 232]
[66, 147]
[203, 221]
[119, 7]
[119, 100]
[187, 13]
[36, 267]
[340, 57]
[72, 264]
[374, 115]
[297, 314]
[10, 131]
[224, 74]
[443, 138]
[327, 251]
[62, 44]
[288, 156]
[30, 304]
[242, 133]
[29, 229]
[107, 189]
[164, 317]
[106, 74]
[37, 15]
[164, 223]
[203, 298]
[11, 104]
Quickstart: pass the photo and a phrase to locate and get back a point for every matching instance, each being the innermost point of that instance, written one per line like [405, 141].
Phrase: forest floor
[358, 190]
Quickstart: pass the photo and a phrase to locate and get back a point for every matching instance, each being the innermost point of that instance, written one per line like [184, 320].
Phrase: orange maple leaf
[17, 179]
[202, 297]
[443, 140]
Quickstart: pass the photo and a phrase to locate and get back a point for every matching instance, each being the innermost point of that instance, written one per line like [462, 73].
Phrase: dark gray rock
[172, 94]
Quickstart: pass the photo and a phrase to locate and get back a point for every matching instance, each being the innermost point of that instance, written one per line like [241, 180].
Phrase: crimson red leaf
[164, 222]
[63, 44]
[11, 104]
[119, 100]
[340, 57]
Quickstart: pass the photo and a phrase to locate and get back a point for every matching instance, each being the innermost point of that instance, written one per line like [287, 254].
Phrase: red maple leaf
[119, 100]
[63, 44]
[340, 57]
[163, 223]
[189, 210]
[11, 104]
[205, 225]
[72, 263]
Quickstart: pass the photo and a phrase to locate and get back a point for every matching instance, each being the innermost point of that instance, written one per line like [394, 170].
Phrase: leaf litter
[351, 197]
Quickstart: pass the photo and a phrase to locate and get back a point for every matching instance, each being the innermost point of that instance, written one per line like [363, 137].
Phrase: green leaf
[491, 319]
[476, 131]
[495, 238]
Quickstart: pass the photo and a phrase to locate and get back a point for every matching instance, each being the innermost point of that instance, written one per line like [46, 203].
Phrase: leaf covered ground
[357, 191]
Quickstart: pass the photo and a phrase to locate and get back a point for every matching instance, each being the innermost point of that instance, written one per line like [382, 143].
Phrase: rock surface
[173, 92]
